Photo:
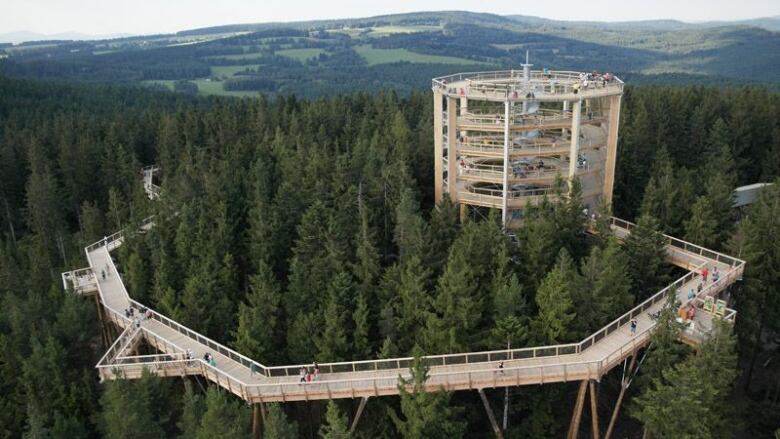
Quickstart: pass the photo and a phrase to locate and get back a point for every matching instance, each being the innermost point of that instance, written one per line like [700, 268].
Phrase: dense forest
[306, 230]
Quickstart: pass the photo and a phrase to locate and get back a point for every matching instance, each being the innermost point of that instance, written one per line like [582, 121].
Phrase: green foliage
[425, 414]
[554, 300]
[129, 409]
[259, 334]
[646, 251]
[224, 417]
[193, 407]
[697, 387]
[335, 426]
[277, 426]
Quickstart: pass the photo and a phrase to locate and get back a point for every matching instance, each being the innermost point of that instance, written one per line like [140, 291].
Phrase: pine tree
[646, 251]
[425, 414]
[702, 227]
[193, 408]
[335, 426]
[333, 345]
[411, 231]
[277, 426]
[605, 290]
[665, 349]
[259, 334]
[129, 412]
[696, 387]
[553, 298]
[223, 418]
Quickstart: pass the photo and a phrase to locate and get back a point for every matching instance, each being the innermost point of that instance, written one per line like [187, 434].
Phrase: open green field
[236, 56]
[382, 31]
[231, 70]
[206, 87]
[384, 56]
[301, 54]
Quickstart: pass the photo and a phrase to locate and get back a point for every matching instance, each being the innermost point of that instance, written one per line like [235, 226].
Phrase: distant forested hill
[403, 52]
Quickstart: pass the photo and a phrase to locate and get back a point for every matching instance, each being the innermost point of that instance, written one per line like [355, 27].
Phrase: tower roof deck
[545, 86]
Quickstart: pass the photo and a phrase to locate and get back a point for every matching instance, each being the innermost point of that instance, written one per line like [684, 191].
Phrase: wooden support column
[257, 420]
[575, 139]
[623, 387]
[359, 412]
[612, 138]
[105, 333]
[438, 146]
[574, 427]
[452, 148]
[594, 410]
[491, 416]
[507, 140]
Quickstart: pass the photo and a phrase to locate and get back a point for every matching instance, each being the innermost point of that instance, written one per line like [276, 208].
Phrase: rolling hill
[403, 52]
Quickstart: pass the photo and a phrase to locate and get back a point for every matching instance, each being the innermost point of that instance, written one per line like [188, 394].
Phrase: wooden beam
[612, 138]
[623, 387]
[438, 146]
[594, 410]
[491, 416]
[574, 427]
[452, 148]
[359, 412]
[257, 420]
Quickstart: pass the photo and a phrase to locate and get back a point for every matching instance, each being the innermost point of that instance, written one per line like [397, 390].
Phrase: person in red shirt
[705, 273]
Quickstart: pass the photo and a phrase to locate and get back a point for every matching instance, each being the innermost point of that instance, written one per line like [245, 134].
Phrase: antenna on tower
[526, 68]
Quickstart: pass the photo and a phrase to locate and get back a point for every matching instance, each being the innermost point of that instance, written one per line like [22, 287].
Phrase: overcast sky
[163, 16]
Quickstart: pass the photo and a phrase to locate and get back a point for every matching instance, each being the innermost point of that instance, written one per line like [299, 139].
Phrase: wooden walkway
[254, 382]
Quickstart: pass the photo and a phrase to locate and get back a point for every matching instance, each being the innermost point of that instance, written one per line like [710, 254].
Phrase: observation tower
[503, 139]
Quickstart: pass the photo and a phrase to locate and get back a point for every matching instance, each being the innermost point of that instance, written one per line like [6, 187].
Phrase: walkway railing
[569, 364]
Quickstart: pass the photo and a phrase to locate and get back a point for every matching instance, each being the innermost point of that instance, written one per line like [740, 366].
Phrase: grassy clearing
[167, 83]
[229, 71]
[301, 54]
[236, 56]
[382, 31]
[384, 56]
[205, 87]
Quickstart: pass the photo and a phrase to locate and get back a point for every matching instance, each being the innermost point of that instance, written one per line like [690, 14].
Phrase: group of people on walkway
[309, 374]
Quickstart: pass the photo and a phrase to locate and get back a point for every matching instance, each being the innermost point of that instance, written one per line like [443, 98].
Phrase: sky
[102, 17]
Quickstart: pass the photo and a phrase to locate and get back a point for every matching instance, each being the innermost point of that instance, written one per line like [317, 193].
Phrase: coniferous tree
[697, 387]
[425, 414]
[259, 334]
[224, 417]
[193, 407]
[605, 290]
[335, 426]
[554, 300]
[334, 345]
[128, 410]
[702, 227]
[277, 426]
[646, 251]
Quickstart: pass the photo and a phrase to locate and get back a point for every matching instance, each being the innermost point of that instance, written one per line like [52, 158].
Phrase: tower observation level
[503, 139]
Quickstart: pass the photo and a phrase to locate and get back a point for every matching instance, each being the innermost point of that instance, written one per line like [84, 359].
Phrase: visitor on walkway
[302, 373]
[103, 274]
[633, 327]
[691, 294]
[501, 367]
[705, 273]
[699, 288]
[715, 275]
[316, 371]
[148, 314]
[137, 323]
[252, 369]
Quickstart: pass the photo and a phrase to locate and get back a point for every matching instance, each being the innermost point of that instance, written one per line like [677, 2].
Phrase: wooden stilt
[574, 427]
[257, 421]
[594, 410]
[358, 413]
[491, 416]
[105, 335]
[623, 387]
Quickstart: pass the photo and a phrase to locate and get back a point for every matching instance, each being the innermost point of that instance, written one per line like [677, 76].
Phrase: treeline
[306, 230]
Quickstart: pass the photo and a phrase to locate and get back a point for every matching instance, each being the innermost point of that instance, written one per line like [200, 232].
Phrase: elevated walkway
[591, 358]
